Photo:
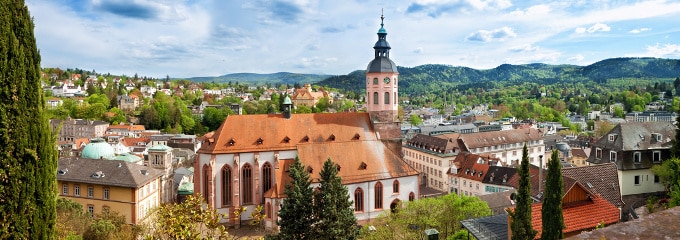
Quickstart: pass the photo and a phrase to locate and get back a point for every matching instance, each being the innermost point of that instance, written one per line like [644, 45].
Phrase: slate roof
[113, 172]
[442, 144]
[632, 132]
[499, 201]
[495, 138]
[603, 178]
[269, 132]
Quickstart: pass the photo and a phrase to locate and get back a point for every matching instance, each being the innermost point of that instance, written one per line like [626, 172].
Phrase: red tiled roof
[129, 142]
[580, 216]
[248, 133]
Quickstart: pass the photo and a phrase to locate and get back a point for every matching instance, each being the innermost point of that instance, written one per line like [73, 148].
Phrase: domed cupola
[382, 62]
[98, 149]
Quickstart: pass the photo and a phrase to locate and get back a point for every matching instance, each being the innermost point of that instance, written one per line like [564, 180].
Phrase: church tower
[382, 91]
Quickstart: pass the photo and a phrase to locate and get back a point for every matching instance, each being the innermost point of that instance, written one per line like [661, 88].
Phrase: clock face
[387, 80]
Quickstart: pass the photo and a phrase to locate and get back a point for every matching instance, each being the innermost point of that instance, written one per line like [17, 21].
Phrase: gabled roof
[105, 172]
[632, 136]
[442, 144]
[470, 168]
[135, 141]
[495, 138]
[248, 133]
[602, 179]
[580, 216]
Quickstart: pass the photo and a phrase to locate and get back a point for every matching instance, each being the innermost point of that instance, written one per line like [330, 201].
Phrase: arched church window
[247, 177]
[387, 98]
[375, 97]
[226, 186]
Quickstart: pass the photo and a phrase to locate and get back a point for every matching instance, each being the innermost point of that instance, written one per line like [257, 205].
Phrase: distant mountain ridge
[431, 77]
[259, 79]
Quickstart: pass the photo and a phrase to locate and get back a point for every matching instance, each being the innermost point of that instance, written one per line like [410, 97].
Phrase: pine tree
[333, 209]
[521, 216]
[28, 156]
[551, 212]
[296, 214]
[675, 148]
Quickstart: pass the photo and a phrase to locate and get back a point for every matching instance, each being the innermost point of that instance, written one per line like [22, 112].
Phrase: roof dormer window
[259, 141]
[332, 137]
[310, 170]
[286, 139]
[231, 142]
[356, 137]
[612, 137]
[305, 139]
[363, 166]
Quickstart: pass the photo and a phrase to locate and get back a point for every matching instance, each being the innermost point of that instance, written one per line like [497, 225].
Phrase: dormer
[231, 142]
[480, 173]
[363, 166]
[332, 137]
[259, 141]
[356, 137]
[310, 170]
[286, 139]
[612, 137]
[305, 139]
[657, 137]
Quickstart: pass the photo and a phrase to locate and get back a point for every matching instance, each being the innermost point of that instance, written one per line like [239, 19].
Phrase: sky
[196, 38]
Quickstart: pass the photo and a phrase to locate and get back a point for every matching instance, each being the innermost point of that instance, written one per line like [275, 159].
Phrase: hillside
[259, 79]
[434, 77]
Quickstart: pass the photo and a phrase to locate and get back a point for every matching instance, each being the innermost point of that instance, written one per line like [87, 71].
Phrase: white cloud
[499, 34]
[576, 58]
[639, 30]
[666, 50]
[524, 48]
[598, 27]
[533, 11]
[418, 50]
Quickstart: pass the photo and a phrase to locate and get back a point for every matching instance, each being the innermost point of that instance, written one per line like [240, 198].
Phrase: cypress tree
[521, 216]
[333, 208]
[28, 156]
[551, 212]
[296, 214]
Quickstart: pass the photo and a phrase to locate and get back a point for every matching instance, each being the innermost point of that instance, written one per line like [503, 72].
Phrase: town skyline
[197, 38]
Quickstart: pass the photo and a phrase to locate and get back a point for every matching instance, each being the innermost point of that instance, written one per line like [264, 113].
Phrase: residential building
[432, 156]
[127, 130]
[306, 97]
[71, 129]
[98, 185]
[128, 103]
[635, 147]
[237, 167]
[505, 145]
[656, 116]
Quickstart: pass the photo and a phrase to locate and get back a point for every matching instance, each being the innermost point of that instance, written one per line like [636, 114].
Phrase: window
[76, 190]
[395, 186]
[387, 98]
[106, 193]
[656, 156]
[226, 186]
[247, 176]
[266, 177]
[90, 210]
[268, 211]
[656, 179]
[358, 200]
[64, 189]
[90, 191]
[375, 81]
[378, 196]
[612, 156]
[411, 196]
[637, 179]
[206, 183]
[375, 97]
[598, 153]
[637, 157]
[612, 137]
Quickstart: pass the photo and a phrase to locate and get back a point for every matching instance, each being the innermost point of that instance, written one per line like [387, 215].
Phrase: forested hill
[435, 77]
[259, 79]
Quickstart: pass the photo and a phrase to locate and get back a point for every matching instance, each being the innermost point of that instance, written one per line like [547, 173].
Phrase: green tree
[186, 220]
[551, 212]
[296, 214]
[333, 209]
[28, 154]
[520, 224]
[668, 173]
[415, 120]
[71, 220]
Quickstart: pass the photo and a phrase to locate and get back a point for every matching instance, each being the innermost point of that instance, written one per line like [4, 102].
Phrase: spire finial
[382, 16]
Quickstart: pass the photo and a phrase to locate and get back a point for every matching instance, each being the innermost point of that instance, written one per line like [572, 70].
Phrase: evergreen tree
[551, 212]
[675, 148]
[27, 149]
[333, 209]
[296, 218]
[521, 216]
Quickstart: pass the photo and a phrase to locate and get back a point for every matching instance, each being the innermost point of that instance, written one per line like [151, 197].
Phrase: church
[245, 162]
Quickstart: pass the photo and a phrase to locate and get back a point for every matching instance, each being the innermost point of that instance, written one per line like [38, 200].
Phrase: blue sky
[188, 38]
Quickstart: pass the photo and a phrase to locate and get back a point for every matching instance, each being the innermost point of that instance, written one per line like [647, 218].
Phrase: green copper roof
[98, 148]
[160, 147]
[287, 100]
[128, 158]
[187, 188]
